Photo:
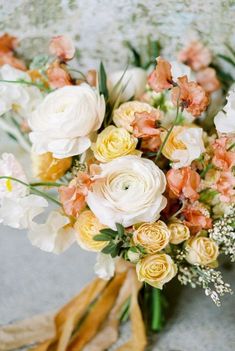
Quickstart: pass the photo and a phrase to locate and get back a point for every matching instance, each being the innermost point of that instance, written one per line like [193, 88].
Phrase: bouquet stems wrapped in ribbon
[138, 166]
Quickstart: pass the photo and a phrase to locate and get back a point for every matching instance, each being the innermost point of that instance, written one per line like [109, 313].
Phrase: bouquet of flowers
[138, 166]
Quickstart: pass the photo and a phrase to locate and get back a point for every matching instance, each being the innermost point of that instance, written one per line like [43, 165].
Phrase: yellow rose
[202, 250]
[183, 145]
[48, 168]
[179, 232]
[153, 237]
[114, 142]
[86, 227]
[156, 270]
[125, 114]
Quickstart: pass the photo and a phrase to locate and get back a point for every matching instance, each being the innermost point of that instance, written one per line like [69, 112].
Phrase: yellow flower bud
[179, 232]
[114, 142]
[156, 270]
[86, 227]
[48, 169]
[153, 237]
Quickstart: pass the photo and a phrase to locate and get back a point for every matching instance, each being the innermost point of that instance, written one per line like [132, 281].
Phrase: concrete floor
[33, 282]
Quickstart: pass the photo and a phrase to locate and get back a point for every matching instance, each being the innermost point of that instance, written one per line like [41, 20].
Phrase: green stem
[47, 184]
[156, 322]
[170, 130]
[77, 71]
[33, 190]
[231, 147]
[40, 86]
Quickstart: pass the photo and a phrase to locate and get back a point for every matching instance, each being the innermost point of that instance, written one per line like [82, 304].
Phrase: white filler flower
[63, 122]
[128, 190]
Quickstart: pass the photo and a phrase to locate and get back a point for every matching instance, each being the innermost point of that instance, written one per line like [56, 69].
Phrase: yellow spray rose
[86, 227]
[202, 250]
[156, 270]
[124, 115]
[114, 142]
[179, 232]
[48, 168]
[153, 237]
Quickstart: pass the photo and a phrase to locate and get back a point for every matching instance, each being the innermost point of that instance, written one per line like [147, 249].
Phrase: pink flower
[57, 76]
[195, 55]
[196, 218]
[8, 44]
[225, 185]
[183, 182]
[11, 60]
[91, 77]
[151, 144]
[223, 159]
[73, 196]
[190, 95]
[161, 78]
[145, 123]
[62, 46]
[208, 80]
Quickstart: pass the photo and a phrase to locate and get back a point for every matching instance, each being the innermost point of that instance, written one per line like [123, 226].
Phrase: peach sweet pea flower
[191, 95]
[183, 182]
[197, 217]
[161, 78]
[62, 46]
[57, 76]
[10, 59]
[8, 43]
[91, 77]
[195, 55]
[223, 159]
[151, 144]
[73, 196]
[145, 123]
[225, 185]
[208, 80]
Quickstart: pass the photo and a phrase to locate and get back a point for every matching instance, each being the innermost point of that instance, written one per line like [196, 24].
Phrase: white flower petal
[105, 266]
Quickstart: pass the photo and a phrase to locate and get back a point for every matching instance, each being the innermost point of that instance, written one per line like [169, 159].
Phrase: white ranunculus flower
[225, 121]
[63, 122]
[178, 69]
[128, 190]
[105, 266]
[133, 82]
[10, 167]
[56, 235]
[19, 212]
[20, 98]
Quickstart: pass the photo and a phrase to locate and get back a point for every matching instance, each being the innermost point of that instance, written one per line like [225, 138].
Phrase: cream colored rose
[86, 227]
[114, 142]
[184, 145]
[153, 237]
[202, 250]
[179, 232]
[48, 168]
[156, 270]
[125, 114]
[128, 190]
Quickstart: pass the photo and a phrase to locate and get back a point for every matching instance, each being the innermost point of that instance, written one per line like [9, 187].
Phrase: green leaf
[232, 51]
[207, 195]
[120, 229]
[103, 81]
[109, 249]
[227, 59]
[110, 232]
[207, 168]
[101, 237]
[136, 56]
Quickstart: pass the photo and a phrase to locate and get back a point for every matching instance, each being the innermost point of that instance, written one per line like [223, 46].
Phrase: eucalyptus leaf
[101, 237]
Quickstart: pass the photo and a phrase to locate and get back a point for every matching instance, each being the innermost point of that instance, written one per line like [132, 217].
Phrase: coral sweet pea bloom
[62, 46]
[190, 95]
[161, 78]
[208, 80]
[184, 182]
[145, 124]
[57, 76]
[196, 55]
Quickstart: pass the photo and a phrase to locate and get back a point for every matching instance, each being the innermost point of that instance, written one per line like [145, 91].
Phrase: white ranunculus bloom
[194, 147]
[133, 82]
[178, 69]
[63, 122]
[128, 190]
[105, 266]
[225, 121]
[10, 167]
[20, 98]
[56, 235]
[19, 212]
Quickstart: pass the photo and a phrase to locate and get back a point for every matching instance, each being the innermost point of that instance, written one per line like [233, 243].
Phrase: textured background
[33, 281]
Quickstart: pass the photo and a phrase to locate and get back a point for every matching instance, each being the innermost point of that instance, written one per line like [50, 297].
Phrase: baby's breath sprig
[223, 233]
[209, 279]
